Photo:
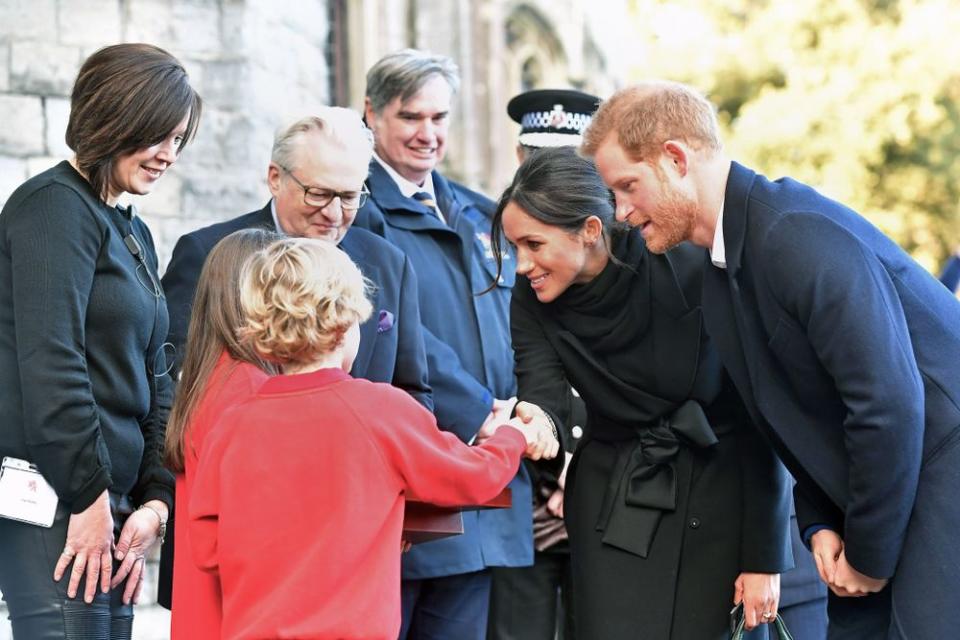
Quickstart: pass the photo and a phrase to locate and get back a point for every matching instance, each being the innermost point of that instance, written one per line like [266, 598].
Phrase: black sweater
[83, 387]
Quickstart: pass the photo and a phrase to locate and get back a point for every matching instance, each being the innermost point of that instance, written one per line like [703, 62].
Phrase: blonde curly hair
[299, 297]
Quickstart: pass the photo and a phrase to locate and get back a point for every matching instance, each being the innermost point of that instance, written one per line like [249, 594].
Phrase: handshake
[530, 420]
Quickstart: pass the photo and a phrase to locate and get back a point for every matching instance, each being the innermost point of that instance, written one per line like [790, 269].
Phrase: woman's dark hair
[127, 97]
[559, 188]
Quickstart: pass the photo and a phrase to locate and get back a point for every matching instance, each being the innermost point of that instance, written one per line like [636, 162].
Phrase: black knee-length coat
[671, 493]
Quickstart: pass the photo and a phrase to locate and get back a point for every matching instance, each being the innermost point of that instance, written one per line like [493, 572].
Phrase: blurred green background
[859, 98]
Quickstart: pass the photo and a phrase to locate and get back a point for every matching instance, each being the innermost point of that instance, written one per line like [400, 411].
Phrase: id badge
[25, 495]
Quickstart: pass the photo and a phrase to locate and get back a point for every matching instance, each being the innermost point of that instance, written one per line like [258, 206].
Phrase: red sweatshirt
[299, 498]
[195, 611]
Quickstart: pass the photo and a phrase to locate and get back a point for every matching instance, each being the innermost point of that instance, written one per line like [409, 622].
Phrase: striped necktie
[427, 200]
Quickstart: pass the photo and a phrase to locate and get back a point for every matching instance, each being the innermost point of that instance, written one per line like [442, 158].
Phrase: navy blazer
[951, 274]
[469, 356]
[845, 351]
[391, 345]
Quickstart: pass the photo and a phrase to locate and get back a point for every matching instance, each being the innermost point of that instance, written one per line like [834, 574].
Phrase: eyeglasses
[317, 197]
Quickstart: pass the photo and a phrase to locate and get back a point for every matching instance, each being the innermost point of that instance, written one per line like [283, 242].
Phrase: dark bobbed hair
[127, 97]
[557, 187]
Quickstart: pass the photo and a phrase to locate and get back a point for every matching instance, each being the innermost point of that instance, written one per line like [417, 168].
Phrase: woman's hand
[760, 594]
[137, 536]
[88, 546]
[555, 503]
[541, 444]
[545, 444]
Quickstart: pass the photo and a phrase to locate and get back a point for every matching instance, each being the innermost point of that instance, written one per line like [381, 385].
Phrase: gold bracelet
[162, 529]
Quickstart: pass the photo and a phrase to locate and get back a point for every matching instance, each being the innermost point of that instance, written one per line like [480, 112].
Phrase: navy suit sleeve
[411, 373]
[370, 217]
[848, 311]
[460, 402]
[765, 545]
[951, 274]
[180, 285]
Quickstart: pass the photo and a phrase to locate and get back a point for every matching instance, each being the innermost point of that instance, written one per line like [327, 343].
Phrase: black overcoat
[671, 493]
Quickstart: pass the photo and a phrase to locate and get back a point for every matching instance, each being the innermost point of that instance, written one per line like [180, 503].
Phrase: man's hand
[499, 414]
[849, 582]
[836, 572]
[826, 546]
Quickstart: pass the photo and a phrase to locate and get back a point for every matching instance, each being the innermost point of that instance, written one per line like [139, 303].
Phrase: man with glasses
[316, 178]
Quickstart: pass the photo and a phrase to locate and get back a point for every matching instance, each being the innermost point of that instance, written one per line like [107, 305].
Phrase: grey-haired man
[444, 228]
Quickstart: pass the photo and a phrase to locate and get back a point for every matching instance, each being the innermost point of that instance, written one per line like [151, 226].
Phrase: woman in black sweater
[674, 506]
[84, 390]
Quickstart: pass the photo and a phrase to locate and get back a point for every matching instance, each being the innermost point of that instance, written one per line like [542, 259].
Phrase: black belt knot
[643, 481]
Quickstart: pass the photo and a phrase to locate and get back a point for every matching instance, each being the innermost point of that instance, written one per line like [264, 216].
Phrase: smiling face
[550, 257]
[411, 136]
[316, 162]
[138, 171]
[647, 197]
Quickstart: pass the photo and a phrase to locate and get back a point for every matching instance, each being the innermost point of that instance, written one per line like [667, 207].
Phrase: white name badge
[25, 495]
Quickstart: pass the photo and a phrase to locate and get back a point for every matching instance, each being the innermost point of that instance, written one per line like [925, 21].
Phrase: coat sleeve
[204, 507]
[53, 256]
[434, 465]
[411, 374]
[541, 376]
[180, 285]
[765, 545]
[461, 403]
[951, 274]
[850, 314]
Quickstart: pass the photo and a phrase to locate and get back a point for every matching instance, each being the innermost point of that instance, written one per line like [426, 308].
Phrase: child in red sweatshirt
[298, 503]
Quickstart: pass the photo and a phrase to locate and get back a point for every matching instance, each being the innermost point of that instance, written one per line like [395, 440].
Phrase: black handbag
[738, 623]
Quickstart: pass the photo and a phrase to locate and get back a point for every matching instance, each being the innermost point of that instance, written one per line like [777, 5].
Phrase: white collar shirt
[407, 188]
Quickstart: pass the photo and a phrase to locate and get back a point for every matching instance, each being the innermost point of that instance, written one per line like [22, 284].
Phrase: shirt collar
[406, 187]
[718, 253]
[276, 220]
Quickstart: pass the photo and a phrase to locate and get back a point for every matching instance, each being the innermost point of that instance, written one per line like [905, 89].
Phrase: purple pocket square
[384, 321]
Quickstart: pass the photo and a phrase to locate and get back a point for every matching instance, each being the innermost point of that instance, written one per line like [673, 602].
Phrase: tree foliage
[860, 98]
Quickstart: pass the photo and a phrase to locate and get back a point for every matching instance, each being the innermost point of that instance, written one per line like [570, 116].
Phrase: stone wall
[252, 63]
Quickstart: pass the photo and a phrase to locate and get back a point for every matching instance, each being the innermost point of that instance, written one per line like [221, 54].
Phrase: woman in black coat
[675, 507]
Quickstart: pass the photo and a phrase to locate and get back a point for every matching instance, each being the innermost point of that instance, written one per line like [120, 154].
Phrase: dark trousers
[445, 608]
[165, 573]
[806, 620]
[861, 618]
[533, 603]
[39, 607]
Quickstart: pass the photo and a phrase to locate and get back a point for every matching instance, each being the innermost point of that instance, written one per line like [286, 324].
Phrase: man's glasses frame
[317, 197]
